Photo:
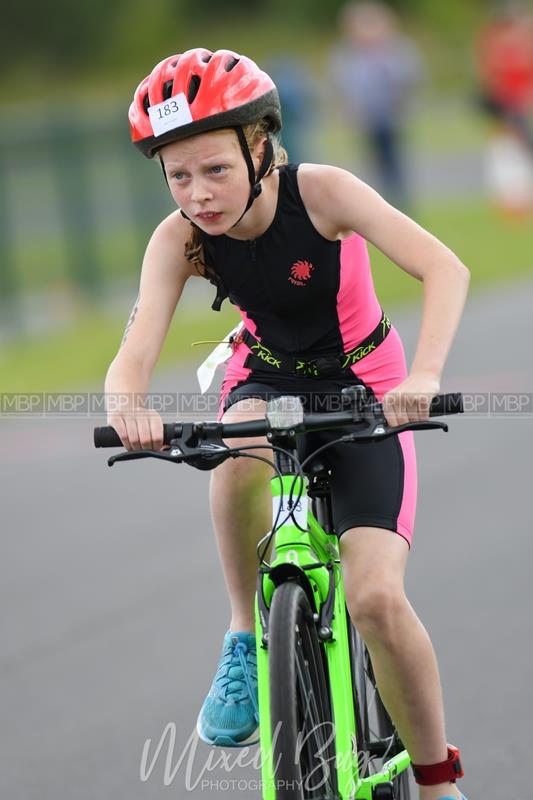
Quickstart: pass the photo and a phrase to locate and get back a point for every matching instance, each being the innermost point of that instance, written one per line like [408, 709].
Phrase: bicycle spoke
[315, 730]
[313, 743]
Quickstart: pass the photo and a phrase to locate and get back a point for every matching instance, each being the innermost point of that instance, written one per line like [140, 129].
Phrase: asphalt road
[113, 605]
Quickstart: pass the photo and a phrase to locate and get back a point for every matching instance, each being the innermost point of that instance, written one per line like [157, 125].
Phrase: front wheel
[303, 733]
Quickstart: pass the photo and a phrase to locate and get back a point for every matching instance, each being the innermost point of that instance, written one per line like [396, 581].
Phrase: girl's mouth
[209, 216]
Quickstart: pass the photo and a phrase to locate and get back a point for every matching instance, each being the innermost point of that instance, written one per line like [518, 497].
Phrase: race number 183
[170, 114]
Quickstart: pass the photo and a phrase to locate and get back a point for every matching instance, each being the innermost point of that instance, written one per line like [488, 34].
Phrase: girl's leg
[373, 562]
[241, 509]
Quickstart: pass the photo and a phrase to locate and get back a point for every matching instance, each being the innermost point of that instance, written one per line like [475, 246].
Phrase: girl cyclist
[286, 243]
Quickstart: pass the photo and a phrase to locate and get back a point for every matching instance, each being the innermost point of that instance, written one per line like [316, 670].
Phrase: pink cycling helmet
[200, 91]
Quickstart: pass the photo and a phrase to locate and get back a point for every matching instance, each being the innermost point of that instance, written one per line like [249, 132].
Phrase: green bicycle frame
[301, 548]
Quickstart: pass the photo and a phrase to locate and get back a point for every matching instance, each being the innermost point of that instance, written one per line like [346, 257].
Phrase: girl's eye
[178, 176]
[218, 169]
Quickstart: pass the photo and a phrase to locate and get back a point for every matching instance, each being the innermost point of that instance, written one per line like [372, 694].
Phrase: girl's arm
[344, 203]
[163, 276]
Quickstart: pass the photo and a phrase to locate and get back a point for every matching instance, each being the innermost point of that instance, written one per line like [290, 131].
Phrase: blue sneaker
[452, 798]
[229, 716]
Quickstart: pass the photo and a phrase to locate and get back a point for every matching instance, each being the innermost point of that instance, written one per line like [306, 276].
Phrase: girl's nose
[200, 191]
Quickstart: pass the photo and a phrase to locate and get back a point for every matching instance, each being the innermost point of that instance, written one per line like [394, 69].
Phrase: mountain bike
[324, 732]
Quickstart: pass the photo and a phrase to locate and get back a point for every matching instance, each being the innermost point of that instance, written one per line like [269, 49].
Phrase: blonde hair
[254, 133]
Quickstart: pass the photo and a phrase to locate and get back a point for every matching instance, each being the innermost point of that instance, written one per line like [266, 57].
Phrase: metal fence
[77, 205]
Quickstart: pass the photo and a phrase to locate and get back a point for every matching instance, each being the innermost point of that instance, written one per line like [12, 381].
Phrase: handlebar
[363, 410]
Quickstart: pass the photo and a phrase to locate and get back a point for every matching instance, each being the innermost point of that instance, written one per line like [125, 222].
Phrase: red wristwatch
[449, 770]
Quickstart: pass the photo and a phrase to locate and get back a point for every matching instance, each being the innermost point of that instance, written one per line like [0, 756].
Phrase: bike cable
[243, 452]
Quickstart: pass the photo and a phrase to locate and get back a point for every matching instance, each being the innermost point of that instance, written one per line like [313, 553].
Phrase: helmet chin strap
[255, 180]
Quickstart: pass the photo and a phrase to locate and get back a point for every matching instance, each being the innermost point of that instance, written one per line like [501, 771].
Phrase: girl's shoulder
[173, 229]
[320, 185]
[322, 175]
[169, 239]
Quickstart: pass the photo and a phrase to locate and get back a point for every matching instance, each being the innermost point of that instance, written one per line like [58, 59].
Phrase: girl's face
[208, 179]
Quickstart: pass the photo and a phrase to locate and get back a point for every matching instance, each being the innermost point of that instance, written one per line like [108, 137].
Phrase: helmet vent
[207, 59]
[230, 64]
[194, 85]
[167, 89]
[146, 102]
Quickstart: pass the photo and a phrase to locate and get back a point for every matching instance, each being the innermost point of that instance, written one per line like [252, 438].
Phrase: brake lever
[174, 454]
[206, 456]
[380, 430]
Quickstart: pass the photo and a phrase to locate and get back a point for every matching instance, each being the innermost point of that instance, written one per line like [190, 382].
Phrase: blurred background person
[376, 71]
[299, 98]
[505, 67]
[504, 60]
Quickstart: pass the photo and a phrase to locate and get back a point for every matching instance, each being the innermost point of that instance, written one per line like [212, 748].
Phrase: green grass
[43, 263]
[78, 357]
[136, 41]
[436, 126]
[446, 125]
[495, 251]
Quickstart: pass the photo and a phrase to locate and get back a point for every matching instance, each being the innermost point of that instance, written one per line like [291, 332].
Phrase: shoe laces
[235, 654]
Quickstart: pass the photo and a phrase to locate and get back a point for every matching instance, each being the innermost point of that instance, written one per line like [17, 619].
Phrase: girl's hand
[139, 429]
[410, 401]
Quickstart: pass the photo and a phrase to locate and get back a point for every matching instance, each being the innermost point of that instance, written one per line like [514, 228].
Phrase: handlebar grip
[106, 436]
[446, 404]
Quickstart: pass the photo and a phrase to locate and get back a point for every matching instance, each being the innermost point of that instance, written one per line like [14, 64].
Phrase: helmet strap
[255, 180]
[163, 170]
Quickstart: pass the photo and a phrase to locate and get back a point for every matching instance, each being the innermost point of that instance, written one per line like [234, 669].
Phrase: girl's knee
[374, 607]
[242, 467]
[248, 470]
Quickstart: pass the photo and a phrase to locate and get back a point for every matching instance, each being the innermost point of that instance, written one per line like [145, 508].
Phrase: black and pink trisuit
[310, 298]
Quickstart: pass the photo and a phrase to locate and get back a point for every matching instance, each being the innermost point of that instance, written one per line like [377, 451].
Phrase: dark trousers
[385, 143]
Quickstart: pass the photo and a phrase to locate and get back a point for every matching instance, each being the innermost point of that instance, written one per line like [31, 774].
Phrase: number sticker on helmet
[170, 114]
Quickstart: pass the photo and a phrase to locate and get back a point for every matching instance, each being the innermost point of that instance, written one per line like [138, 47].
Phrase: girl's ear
[259, 152]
